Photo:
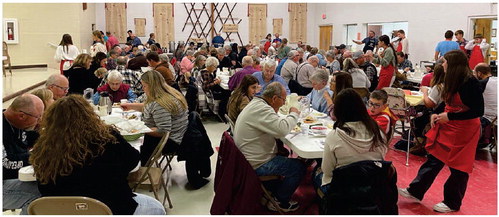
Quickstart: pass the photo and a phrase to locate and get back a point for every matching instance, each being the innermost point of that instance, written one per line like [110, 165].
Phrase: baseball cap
[342, 46]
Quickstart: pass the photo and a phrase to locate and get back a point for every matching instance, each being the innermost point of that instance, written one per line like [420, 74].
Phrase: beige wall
[40, 24]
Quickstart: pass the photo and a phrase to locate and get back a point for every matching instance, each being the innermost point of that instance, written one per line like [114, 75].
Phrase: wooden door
[297, 22]
[116, 20]
[326, 37]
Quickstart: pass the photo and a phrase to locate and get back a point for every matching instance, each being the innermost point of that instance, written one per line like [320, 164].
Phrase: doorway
[486, 26]
[326, 37]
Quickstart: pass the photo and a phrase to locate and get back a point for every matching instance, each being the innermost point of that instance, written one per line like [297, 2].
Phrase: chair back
[68, 206]
[396, 101]
[231, 123]
[5, 49]
[362, 188]
[155, 157]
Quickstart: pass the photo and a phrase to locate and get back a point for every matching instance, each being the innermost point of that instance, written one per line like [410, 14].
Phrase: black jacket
[362, 188]
[196, 143]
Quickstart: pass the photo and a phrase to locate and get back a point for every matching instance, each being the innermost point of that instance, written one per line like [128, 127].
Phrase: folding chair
[151, 173]
[6, 59]
[493, 143]
[400, 108]
[68, 206]
[231, 123]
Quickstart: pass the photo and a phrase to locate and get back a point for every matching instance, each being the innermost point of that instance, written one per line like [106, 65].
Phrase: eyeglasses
[62, 88]
[26, 113]
[375, 105]
[280, 97]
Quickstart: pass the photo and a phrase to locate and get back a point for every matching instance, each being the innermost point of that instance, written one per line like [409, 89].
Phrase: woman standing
[99, 44]
[89, 159]
[241, 96]
[66, 52]
[165, 110]
[387, 60]
[355, 137]
[79, 75]
[453, 137]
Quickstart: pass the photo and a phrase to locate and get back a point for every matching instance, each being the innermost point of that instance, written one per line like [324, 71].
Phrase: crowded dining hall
[239, 108]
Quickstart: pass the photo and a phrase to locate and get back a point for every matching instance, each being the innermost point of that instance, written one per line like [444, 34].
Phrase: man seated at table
[22, 115]
[248, 69]
[116, 89]
[58, 84]
[256, 129]
[379, 111]
[268, 76]
[488, 83]
[404, 64]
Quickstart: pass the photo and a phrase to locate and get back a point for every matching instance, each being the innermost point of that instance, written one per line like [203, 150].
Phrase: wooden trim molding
[25, 90]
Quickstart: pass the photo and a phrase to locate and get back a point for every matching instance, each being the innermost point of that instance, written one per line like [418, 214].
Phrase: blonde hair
[165, 95]
[81, 60]
[83, 138]
[44, 94]
[99, 36]
[100, 72]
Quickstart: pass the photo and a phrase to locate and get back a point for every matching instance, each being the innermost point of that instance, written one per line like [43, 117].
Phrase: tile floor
[481, 197]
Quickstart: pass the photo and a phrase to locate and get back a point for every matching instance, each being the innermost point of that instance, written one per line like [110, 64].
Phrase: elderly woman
[116, 89]
[319, 83]
[332, 63]
[199, 64]
[89, 159]
[359, 78]
[187, 63]
[165, 110]
[79, 75]
[211, 83]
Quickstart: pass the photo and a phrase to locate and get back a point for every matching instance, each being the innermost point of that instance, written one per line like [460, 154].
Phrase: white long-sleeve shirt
[61, 53]
[97, 47]
[483, 46]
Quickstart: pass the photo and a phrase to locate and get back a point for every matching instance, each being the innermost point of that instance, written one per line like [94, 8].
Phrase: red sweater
[116, 96]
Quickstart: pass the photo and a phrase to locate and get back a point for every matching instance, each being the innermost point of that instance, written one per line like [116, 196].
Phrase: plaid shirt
[405, 64]
[130, 77]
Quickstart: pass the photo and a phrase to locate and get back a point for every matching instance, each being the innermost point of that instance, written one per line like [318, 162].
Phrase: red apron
[462, 48]
[399, 47]
[61, 66]
[475, 57]
[455, 141]
[385, 76]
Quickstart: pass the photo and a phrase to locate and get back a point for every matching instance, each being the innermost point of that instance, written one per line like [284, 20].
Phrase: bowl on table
[132, 137]
[319, 130]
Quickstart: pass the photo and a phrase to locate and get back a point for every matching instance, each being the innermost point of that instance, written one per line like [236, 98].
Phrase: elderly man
[223, 59]
[58, 84]
[22, 115]
[256, 129]
[115, 88]
[248, 69]
[367, 67]
[268, 76]
[289, 68]
[161, 67]
[305, 70]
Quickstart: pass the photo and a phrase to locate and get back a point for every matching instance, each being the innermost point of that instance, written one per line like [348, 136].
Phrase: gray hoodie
[342, 149]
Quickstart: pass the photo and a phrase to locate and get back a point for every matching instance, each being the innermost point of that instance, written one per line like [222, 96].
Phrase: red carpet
[480, 198]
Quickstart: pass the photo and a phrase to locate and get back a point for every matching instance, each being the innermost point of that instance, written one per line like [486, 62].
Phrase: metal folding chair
[68, 206]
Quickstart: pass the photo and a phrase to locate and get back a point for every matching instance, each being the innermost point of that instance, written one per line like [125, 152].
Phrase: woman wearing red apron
[454, 135]
[65, 53]
[387, 60]
[478, 47]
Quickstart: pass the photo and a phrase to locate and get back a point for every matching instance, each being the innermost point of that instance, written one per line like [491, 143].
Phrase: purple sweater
[236, 79]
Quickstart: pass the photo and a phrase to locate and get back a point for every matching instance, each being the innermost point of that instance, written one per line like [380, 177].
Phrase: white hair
[164, 57]
[211, 61]
[320, 75]
[268, 64]
[114, 76]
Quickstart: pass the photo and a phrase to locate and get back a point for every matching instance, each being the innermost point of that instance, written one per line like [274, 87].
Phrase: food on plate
[116, 105]
[133, 116]
[134, 131]
[308, 120]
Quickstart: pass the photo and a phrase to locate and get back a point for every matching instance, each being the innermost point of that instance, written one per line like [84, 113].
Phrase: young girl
[66, 53]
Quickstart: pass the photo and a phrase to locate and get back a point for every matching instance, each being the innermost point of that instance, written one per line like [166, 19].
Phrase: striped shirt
[156, 116]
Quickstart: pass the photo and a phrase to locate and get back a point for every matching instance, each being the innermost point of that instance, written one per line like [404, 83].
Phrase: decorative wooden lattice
[257, 14]
[116, 20]
[213, 23]
[297, 22]
[164, 22]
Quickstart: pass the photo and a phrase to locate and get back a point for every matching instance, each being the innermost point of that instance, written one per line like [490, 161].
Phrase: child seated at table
[379, 111]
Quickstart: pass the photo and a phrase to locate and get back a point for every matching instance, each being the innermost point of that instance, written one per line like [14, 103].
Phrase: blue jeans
[293, 171]
[148, 205]
[18, 194]
[317, 181]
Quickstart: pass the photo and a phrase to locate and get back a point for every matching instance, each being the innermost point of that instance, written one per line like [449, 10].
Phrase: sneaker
[292, 206]
[405, 193]
[441, 207]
